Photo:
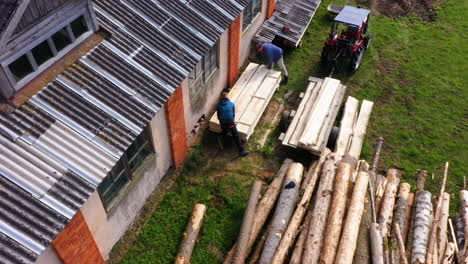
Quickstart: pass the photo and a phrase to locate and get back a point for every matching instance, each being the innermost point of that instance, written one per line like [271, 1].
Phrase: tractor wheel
[356, 60]
[367, 41]
[326, 62]
[284, 121]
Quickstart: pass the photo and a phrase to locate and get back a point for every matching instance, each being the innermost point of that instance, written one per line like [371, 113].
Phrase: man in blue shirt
[273, 54]
[226, 111]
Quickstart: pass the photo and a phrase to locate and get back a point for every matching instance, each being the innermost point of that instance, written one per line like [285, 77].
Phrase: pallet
[251, 95]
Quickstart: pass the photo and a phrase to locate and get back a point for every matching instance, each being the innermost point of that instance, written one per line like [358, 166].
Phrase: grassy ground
[415, 72]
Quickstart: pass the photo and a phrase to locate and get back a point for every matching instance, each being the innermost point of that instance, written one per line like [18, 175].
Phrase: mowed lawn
[415, 72]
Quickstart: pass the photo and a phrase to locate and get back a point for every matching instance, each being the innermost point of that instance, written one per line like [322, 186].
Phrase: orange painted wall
[234, 42]
[76, 245]
[270, 8]
[176, 125]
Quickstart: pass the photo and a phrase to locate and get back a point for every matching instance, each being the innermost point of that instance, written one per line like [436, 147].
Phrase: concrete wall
[48, 257]
[249, 32]
[210, 96]
[108, 227]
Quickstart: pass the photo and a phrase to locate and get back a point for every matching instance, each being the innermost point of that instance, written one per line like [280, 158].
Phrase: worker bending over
[226, 115]
[273, 54]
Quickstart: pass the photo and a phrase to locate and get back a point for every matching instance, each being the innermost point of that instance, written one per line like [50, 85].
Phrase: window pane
[21, 67]
[42, 53]
[214, 58]
[199, 68]
[113, 182]
[79, 26]
[61, 39]
[139, 150]
[207, 66]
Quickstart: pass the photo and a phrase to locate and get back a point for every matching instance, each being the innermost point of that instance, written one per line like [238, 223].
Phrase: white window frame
[57, 55]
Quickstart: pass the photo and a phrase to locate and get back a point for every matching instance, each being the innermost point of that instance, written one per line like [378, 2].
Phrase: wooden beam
[11, 26]
[360, 129]
[347, 124]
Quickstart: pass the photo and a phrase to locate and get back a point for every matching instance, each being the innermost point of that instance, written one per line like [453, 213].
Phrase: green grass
[415, 72]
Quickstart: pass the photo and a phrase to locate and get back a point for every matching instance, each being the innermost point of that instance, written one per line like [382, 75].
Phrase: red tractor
[349, 45]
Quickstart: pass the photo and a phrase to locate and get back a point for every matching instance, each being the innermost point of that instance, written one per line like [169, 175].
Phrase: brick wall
[234, 42]
[270, 8]
[176, 126]
[76, 245]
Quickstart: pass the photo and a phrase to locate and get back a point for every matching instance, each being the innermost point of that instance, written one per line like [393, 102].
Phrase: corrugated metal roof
[57, 147]
[295, 14]
[7, 8]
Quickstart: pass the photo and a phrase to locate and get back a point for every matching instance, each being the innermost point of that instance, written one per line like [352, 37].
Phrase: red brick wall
[76, 245]
[234, 43]
[176, 125]
[270, 8]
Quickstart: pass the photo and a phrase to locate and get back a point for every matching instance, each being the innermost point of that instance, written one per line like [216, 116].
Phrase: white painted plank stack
[315, 115]
[251, 95]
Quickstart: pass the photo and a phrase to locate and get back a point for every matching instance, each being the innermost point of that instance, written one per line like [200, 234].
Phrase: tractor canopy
[352, 16]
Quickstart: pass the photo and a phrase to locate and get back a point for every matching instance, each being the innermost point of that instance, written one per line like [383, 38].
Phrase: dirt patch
[399, 8]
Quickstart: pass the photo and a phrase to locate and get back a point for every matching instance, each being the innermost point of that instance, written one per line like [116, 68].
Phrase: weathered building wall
[210, 94]
[48, 257]
[108, 227]
[249, 32]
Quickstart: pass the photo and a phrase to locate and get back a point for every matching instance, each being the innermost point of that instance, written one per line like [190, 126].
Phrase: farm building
[99, 99]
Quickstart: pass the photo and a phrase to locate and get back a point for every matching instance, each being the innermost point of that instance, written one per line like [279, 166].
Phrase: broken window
[79, 26]
[121, 174]
[61, 39]
[203, 71]
[42, 53]
[21, 67]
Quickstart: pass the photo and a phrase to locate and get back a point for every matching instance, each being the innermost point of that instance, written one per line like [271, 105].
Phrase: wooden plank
[347, 125]
[304, 116]
[268, 84]
[252, 111]
[252, 86]
[330, 121]
[360, 129]
[318, 115]
[300, 109]
[243, 80]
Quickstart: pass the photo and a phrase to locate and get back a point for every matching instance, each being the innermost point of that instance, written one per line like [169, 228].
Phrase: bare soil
[400, 8]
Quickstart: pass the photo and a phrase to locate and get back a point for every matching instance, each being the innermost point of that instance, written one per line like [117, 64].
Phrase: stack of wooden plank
[315, 116]
[251, 95]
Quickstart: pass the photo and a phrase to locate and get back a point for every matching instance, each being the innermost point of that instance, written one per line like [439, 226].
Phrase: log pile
[251, 95]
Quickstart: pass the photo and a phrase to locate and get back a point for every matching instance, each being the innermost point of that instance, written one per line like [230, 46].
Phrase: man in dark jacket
[226, 114]
[273, 54]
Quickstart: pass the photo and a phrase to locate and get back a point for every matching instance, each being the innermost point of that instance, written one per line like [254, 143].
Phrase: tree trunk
[293, 226]
[337, 211]
[283, 212]
[378, 149]
[422, 221]
[190, 235]
[380, 184]
[454, 238]
[401, 244]
[377, 244]
[409, 211]
[459, 232]
[435, 224]
[442, 237]
[264, 208]
[296, 257]
[347, 244]
[241, 248]
[464, 216]
[258, 249]
[421, 176]
[388, 202]
[319, 216]
[400, 211]
[449, 255]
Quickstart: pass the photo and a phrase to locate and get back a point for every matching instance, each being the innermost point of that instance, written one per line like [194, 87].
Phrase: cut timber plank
[252, 111]
[347, 125]
[329, 121]
[300, 109]
[243, 80]
[319, 113]
[269, 82]
[308, 108]
[243, 101]
[360, 129]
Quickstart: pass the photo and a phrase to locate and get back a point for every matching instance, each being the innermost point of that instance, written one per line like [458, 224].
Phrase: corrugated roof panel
[108, 93]
[125, 73]
[11, 252]
[208, 10]
[71, 190]
[234, 9]
[149, 35]
[30, 217]
[73, 107]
